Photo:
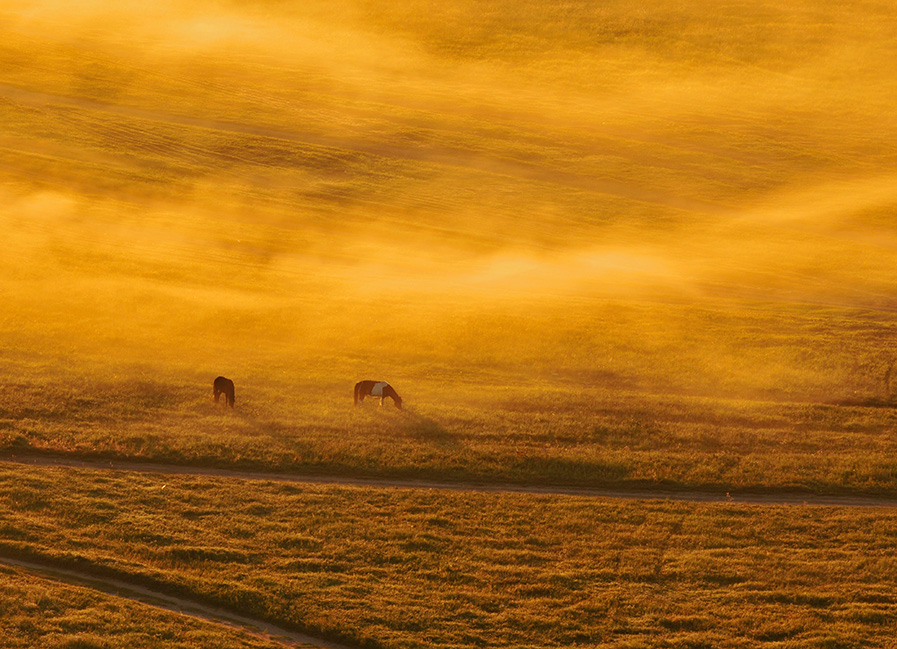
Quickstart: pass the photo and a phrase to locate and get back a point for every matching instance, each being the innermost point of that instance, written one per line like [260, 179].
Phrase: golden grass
[43, 612]
[646, 419]
[589, 244]
[490, 426]
[400, 568]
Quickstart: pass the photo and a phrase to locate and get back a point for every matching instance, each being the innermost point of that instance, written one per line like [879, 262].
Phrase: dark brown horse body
[379, 389]
[226, 387]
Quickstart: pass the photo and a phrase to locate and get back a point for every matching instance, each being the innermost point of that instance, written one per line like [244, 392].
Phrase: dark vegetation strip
[131, 590]
[777, 497]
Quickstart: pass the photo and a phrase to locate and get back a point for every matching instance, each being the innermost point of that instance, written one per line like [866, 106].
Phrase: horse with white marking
[380, 389]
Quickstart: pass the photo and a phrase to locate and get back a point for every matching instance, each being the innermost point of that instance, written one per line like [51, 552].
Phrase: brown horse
[226, 386]
[380, 389]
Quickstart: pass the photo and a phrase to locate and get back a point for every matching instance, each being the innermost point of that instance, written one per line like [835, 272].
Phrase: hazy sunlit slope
[677, 196]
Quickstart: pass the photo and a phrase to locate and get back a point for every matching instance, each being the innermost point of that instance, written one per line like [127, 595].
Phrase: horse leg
[217, 394]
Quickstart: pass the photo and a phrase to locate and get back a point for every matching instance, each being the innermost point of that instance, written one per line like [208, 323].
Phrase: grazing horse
[380, 389]
[226, 386]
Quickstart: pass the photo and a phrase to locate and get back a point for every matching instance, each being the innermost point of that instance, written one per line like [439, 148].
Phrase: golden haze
[678, 198]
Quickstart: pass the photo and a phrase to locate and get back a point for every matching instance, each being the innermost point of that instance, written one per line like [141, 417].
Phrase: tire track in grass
[683, 495]
[204, 612]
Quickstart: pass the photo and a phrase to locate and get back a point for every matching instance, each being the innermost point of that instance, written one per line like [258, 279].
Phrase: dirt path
[135, 592]
[779, 498]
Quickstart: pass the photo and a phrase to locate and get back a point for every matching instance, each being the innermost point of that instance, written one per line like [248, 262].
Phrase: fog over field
[669, 196]
[599, 248]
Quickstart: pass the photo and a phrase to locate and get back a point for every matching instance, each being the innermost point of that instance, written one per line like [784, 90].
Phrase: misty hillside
[295, 167]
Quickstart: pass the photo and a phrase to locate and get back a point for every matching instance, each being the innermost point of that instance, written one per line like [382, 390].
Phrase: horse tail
[357, 390]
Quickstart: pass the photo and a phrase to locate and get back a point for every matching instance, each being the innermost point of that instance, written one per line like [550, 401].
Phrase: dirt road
[136, 592]
[777, 498]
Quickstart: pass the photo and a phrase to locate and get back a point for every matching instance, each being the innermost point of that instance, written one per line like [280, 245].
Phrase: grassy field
[517, 431]
[589, 244]
[45, 613]
[408, 568]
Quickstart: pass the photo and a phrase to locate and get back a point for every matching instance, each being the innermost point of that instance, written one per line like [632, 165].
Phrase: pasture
[385, 567]
[487, 427]
[593, 245]
[47, 613]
